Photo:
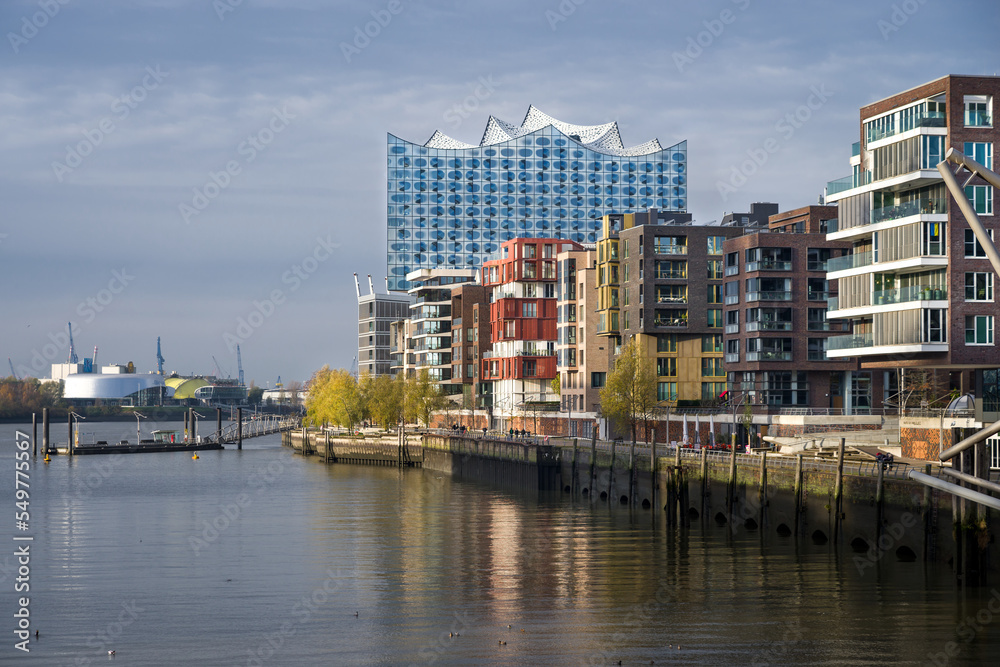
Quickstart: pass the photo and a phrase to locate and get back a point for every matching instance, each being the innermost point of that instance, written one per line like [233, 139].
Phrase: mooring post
[879, 492]
[762, 488]
[239, 430]
[45, 431]
[838, 492]
[572, 483]
[69, 423]
[218, 425]
[631, 473]
[187, 417]
[798, 490]
[652, 471]
[34, 434]
[731, 486]
[704, 474]
[611, 470]
[593, 459]
[194, 428]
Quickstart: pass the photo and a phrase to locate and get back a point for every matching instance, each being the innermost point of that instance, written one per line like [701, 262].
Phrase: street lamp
[138, 437]
[736, 404]
[74, 418]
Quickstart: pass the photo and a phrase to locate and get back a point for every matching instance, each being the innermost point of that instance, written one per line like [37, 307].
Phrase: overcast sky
[173, 168]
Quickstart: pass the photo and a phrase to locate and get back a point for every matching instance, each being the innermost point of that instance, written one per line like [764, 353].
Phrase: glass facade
[453, 207]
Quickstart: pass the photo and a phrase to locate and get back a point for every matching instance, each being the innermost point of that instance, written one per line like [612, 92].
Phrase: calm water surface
[126, 557]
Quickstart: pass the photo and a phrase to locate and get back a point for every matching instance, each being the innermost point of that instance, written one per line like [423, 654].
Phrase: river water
[261, 557]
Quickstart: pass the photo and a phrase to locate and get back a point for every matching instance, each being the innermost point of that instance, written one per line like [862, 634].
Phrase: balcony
[856, 149]
[769, 296]
[671, 275]
[732, 328]
[731, 358]
[925, 119]
[912, 293]
[849, 342]
[817, 296]
[845, 262]
[682, 300]
[670, 249]
[670, 321]
[769, 356]
[732, 270]
[817, 265]
[839, 185]
[832, 303]
[907, 209]
[768, 265]
[768, 325]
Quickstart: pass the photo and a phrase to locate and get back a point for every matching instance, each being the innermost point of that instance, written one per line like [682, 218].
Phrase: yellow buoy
[195, 455]
[46, 459]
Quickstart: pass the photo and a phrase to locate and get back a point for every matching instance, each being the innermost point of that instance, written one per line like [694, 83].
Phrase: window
[571, 312]
[671, 270]
[933, 322]
[981, 198]
[732, 350]
[625, 273]
[547, 251]
[979, 330]
[671, 317]
[666, 391]
[666, 366]
[712, 367]
[670, 245]
[817, 289]
[977, 111]
[550, 291]
[981, 152]
[817, 349]
[671, 294]
[711, 343]
[711, 391]
[715, 293]
[817, 259]
[529, 251]
[666, 343]
[529, 368]
[978, 286]
[597, 380]
[715, 245]
[816, 320]
[714, 318]
[715, 269]
[529, 309]
[732, 292]
[732, 263]
[470, 370]
[972, 245]
[571, 357]
[732, 321]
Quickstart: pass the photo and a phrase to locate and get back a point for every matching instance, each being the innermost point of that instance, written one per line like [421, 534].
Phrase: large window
[715, 269]
[529, 309]
[981, 198]
[979, 330]
[715, 245]
[979, 286]
[769, 349]
[712, 367]
[671, 270]
[597, 380]
[933, 323]
[671, 294]
[711, 343]
[714, 318]
[715, 293]
[981, 152]
[666, 391]
[666, 343]
[973, 249]
[711, 391]
[732, 350]
[670, 245]
[977, 111]
[666, 366]
[817, 349]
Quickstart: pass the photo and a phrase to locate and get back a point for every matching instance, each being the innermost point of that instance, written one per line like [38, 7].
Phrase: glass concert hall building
[451, 204]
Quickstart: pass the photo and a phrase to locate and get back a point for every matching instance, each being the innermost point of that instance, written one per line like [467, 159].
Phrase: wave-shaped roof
[603, 138]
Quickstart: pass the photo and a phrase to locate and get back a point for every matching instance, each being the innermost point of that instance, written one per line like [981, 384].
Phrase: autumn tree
[385, 397]
[423, 397]
[629, 395]
[334, 397]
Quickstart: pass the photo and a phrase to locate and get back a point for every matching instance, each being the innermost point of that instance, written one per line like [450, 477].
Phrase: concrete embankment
[882, 516]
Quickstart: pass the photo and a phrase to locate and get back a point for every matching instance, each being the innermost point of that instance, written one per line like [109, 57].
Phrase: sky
[212, 172]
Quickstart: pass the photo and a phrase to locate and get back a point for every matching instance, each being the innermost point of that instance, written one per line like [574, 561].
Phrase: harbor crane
[12, 371]
[159, 357]
[239, 365]
[73, 359]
